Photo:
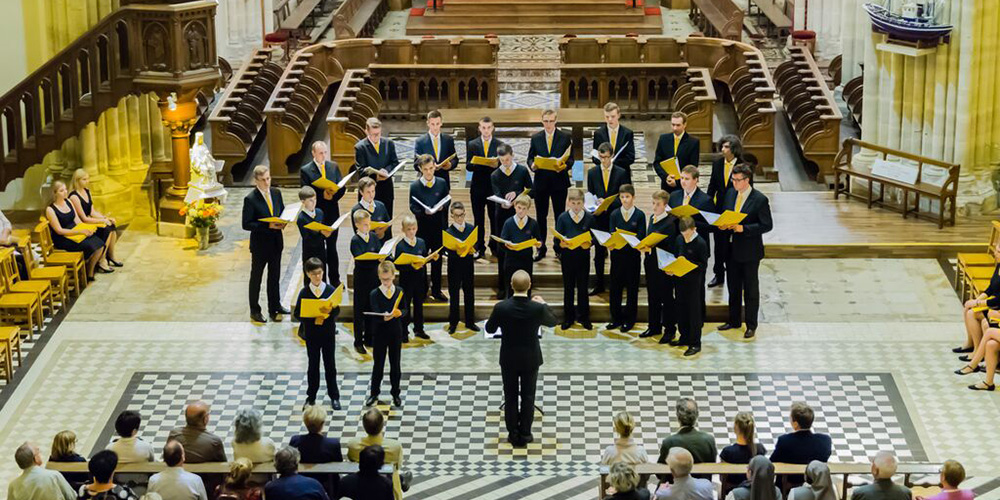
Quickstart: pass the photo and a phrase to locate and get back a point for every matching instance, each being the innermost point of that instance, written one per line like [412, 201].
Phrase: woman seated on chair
[63, 220]
[7, 239]
[975, 321]
[83, 205]
[988, 349]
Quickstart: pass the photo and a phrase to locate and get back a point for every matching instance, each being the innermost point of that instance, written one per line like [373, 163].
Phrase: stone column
[178, 117]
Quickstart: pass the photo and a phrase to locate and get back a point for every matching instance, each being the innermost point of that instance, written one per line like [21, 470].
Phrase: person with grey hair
[625, 484]
[290, 485]
[175, 483]
[883, 467]
[247, 439]
[700, 444]
[199, 444]
[684, 487]
[35, 481]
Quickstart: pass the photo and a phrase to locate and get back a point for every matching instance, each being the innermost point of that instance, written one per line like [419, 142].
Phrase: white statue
[204, 173]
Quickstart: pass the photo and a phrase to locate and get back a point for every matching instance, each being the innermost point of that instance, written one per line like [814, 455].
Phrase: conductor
[519, 319]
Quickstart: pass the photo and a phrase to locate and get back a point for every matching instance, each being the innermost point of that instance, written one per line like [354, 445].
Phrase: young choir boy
[413, 279]
[430, 190]
[319, 334]
[365, 275]
[575, 263]
[517, 229]
[386, 333]
[376, 209]
[509, 180]
[659, 288]
[625, 265]
[461, 273]
[602, 181]
[690, 287]
[313, 242]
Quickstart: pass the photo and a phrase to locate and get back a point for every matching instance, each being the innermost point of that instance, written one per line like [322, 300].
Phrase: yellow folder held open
[318, 226]
[650, 241]
[491, 162]
[604, 205]
[462, 248]
[670, 167]
[310, 308]
[448, 159]
[408, 259]
[729, 218]
[679, 267]
[574, 242]
[324, 183]
[684, 211]
[553, 164]
[612, 241]
[516, 247]
[379, 225]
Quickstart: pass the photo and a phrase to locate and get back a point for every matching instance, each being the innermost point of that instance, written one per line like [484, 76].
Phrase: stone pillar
[179, 118]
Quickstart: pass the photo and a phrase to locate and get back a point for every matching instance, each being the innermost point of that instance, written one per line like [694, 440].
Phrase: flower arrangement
[202, 214]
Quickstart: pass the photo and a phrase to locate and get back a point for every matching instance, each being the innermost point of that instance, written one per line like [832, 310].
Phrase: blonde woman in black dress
[83, 205]
[63, 220]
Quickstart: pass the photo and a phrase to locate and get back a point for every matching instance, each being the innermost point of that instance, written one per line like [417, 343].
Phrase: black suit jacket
[423, 145]
[547, 180]
[802, 447]
[480, 174]
[716, 187]
[263, 239]
[699, 200]
[687, 154]
[309, 173]
[595, 186]
[625, 142]
[748, 246]
[519, 319]
[365, 156]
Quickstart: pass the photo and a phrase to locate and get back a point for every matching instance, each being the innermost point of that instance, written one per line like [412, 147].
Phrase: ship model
[914, 26]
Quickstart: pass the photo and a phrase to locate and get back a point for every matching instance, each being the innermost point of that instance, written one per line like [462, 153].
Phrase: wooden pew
[214, 470]
[836, 71]
[697, 99]
[846, 173]
[306, 20]
[777, 22]
[238, 116]
[355, 102]
[717, 18]
[812, 111]
[854, 93]
[358, 18]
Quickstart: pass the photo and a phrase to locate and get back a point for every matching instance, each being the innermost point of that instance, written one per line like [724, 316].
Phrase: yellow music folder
[651, 240]
[516, 247]
[379, 225]
[670, 167]
[598, 209]
[674, 266]
[318, 226]
[448, 159]
[84, 226]
[574, 242]
[612, 241]
[729, 218]
[310, 307]
[684, 211]
[370, 256]
[462, 248]
[553, 164]
[324, 183]
[491, 162]
[407, 259]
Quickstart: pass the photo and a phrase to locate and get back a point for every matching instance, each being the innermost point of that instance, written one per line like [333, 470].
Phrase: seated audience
[128, 446]
[7, 239]
[625, 448]
[759, 484]
[36, 482]
[625, 484]
[975, 324]
[237, 485]
[314, 447]
[684, 487]
[952, 475]
[63, 221]
[102, 469]
[175, 483]
[883, 467]
[199, 444]
[988, 348]
[368, 484]
[247, 441]
[289, 485]
[745, 448]
[374, 423]
[818, 484]
[700, 444]
[64, 450]
[802, 445]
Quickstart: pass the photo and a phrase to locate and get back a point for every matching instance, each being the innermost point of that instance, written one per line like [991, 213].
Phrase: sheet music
[501, 201]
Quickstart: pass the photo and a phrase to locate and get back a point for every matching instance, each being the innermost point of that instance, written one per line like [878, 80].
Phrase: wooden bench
[358, 18]
[355, 102]
[575, 118]
[777, 22]
[717, 18]
[216, 469]
[836, 70]
[781, 469]
[968, 264]
[811, 109]
[846, 173]
[306, 20]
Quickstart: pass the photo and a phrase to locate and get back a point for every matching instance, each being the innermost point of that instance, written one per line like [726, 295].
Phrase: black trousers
[721, 250]
[431, 234]
[500, 217]
[386, 343]
[384, 193]
[662, 304]
[414, 284]
[518, 416]
[479, 215]
[258, 261]
[744, 289]
[600, 251]
[624, 278]
[542, 198]
[576, 278]
[325, 348]
[461, 278]
[362, 301]
[514, 263]
[332, 260]
[690, 307]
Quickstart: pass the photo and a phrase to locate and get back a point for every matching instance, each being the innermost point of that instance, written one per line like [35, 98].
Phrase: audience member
[36, 482]
[684, 487]
[247, 441]
[952, 475]
[625, 449]
[745, 448]
[759, 484]
[199, 444]
[374, 423]
[883, 467]
[237, 485]
[128, 446]
[368, 484]
[802, 445]
[314, 447]
[290, 485]
[818, 487]
[102, 469]
[625, 484]
[64, 450]
[175, 483]
[700, 444]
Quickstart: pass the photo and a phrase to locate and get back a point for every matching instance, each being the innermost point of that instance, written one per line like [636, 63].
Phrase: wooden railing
[355, 102]
[358, 18]
[717, 18]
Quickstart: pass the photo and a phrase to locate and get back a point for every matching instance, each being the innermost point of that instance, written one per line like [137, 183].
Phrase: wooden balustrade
[717, 18]
[238, 115]
[358, 18]
[355, 102]
[836, 70]
[697, 99]
[812, 111]
[854, 93]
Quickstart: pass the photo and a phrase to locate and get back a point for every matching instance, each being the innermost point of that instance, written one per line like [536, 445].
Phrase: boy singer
[602, 181]
[319, 334]
[365, 276]
[413, 279]
[509, 180]
[386, 333]
[625, 266]
[313, 242]
[575, 263]
[690, 287]
[517, 229]
[461, 273]
[430, 190]
[659, 288]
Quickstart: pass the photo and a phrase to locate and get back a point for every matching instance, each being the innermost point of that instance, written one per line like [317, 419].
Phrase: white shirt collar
[363, 236]
[427, 183]
[627, 214]
[317, 290]
[410, 242]
[693, 236]
[658, 218]
[520, 221]
[577, 216]
[366, 206]
[388, 292]
[689, 195]
[461, 228]
[266, 193]
[310, 213]
[746, 194]
[508, 171]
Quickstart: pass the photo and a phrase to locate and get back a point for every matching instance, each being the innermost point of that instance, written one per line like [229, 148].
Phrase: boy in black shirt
[690, 288]
[429, 190]
[517, 229]
[365, 275]
[625, 262]
[575, 263]
[313, 242]
[319, 333]
[660, 289]
[461, 272]
[413, 278]
[386, 332]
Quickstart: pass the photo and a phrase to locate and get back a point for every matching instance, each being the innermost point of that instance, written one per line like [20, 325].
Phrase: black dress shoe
[276, 317]
[966, 370]
[473, 327]
[627, 328]
[691, 351]
[540, 255]
[587, 325]
[962, 350]
[115, 263]
[371, 401]
[280, 310]
[420, 334]
[667, 339]
[648, 333]
[749, 334]
[983, 387]
[397, 402]
[727, 326]
[965, 357]
[451, 329]
[717, 280]
[439, 296]
[612, 326]
[597, 290]
[566, 325]
[335, 404]
[360, 349]
[257, 317]
[676, 342]
[528, 439]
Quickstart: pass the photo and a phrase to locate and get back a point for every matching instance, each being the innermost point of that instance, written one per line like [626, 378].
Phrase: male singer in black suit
[266, 243]
[486, 146]
[430, 190]
[660, 290]
[375, 156]
[327, 201]
[621, 139]
[602, 181]
[746, 250]
[519, 318]
[549, 185]
[691, 194]
[439, 146]
[678, 144]
[718, 185]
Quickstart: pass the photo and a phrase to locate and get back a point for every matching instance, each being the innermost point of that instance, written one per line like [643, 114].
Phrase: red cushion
[416, 12]
[430, 4]
[652, 11]
[804, 35]
[276, 37]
